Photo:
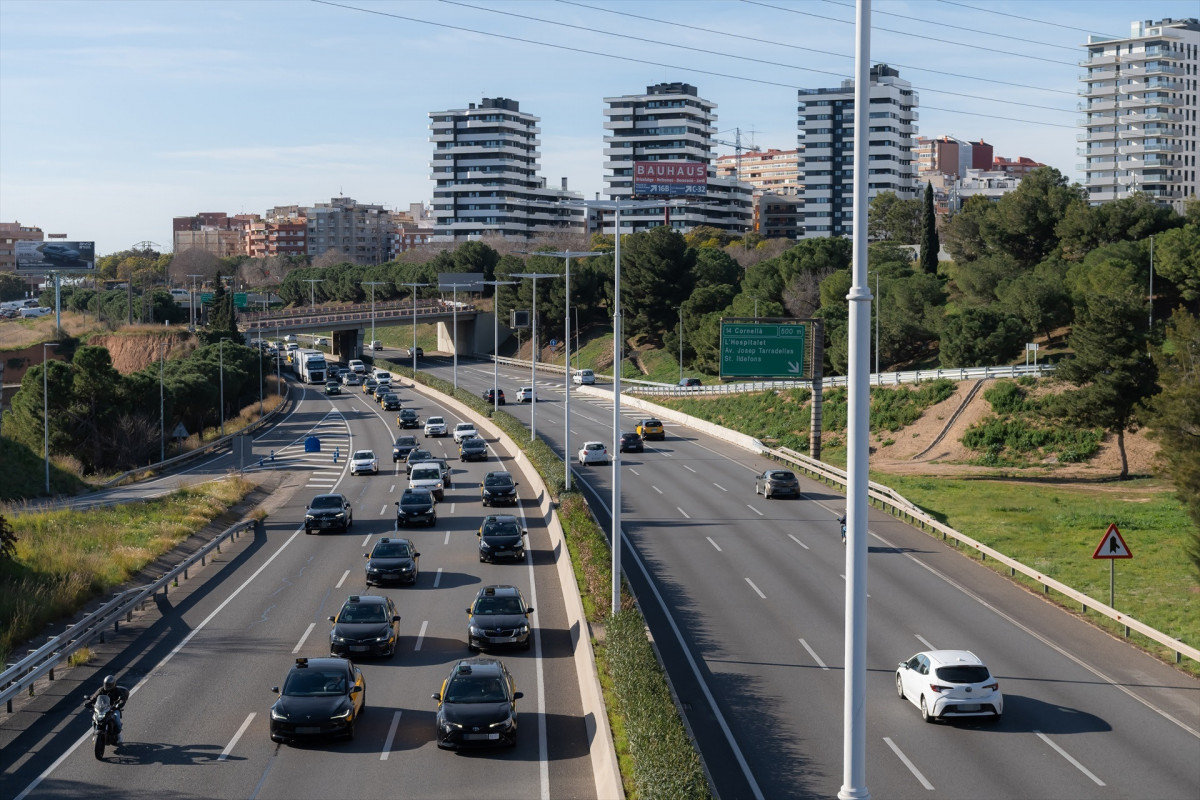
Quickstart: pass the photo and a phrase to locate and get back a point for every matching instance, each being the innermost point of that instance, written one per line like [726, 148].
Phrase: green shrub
[1006, 397]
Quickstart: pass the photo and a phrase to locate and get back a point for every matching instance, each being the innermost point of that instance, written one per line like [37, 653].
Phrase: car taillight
[936, 688]
[994, 686]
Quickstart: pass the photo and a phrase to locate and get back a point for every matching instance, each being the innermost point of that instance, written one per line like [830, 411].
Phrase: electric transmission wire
[944, 24]
[1027, 19]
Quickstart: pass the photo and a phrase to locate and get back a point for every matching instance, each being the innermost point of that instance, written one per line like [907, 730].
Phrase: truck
[310, 366]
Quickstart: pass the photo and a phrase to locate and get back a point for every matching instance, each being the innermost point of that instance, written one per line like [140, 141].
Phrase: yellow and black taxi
[319, 697]
[477, 706]
[390, 402]
[498, 487]
[392, 560]
[499, 617]
[367, 625]
[651, 428]
[369, 385]
[501, 536]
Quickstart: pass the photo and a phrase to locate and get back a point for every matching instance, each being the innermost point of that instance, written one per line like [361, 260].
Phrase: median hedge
[656, 754]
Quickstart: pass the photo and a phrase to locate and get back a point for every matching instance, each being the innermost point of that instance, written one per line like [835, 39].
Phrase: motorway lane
[1070, 730]
[248, 642]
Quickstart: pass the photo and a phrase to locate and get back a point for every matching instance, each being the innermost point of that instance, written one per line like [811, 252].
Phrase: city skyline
[116, 117]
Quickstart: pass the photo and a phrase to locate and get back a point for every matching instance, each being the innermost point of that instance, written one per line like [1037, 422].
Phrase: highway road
[197, 724]
[745, 600]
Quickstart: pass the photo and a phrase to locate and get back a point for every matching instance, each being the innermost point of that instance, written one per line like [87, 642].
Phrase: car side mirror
[478, 535]
[524, 532]
[468, 611]
[902, 665]
[437, 696]
[397, 503]
[366, 555]
[518, 695]
[416, 555]
[275, 689]
[306, 508]
[529, 610]
[395, 618]
[331, 619]
[355, 689]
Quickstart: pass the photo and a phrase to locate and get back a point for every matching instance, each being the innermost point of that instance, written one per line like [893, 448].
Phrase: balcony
[1100, 61]
[1096, 136]
[1096, 152]
[1102, 179]
[1099, 74]
[1098, 91]
[1098, 106]
[1138, 71]
[1152, 116]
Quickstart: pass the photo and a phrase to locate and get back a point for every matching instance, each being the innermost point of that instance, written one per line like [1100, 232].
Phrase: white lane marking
[663, 452]
[1068, 757]
[714, 544]
[924, 641]
[393, 485]
[437, 579]
[303, 638]
[233, 742]
[911, 767]
[755, 510]
[345, 575]
[689, 469]
[391, 737]
[635, 472]
[814, 655]
[447, 540]
[366, 540]
[383, 510]
[421, 635]
[756, 589]
[452, 507]
[719, 486]
[681, 511]
[543, 744]
[797, 541]
[655, 488]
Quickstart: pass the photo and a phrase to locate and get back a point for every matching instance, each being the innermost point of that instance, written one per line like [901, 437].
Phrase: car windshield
[497, 481]
[408, 413]
[963, 673]
[419, 455]
[501, 529]
[499, 605]
[593, 446]
[392, 550]
[363, 455]
[406, 441]
[315, 683]
[475, 689]
[435, 421]
[426, 474]
[327, 501]
[363, 612]
[415, 499]
[473, 443]
[783, 475]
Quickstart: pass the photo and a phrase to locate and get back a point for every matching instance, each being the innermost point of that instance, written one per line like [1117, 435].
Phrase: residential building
[826, 139]
[670, 122]
[950, 192]
[212, 231]
[946, 155]
[1140, 107]
[1017, 167]
[776, 171]
[357, 232]
[286, 236]
[485, 172]
[411, 229]
[778, 216]
[10, 234]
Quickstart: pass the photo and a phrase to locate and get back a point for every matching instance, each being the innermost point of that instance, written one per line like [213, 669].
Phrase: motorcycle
[104, 725]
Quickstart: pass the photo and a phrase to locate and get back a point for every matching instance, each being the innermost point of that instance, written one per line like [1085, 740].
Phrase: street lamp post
[496, 340]
[221, 351]
[566, 254]
[162, 404]
[414, 287]
[534, 351]
[373, 284]
[46, 409]
[192, 299]
[454, 317]
[680, 310]
[312, 290]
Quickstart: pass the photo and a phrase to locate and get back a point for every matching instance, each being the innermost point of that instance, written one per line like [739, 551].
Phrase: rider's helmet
[110, 683]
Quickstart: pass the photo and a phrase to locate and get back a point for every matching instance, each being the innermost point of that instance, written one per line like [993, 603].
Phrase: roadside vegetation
[61, 559]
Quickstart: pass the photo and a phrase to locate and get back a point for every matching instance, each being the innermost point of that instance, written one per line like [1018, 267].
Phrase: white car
[320, 341]
[464, 430]
[383, 376]
[593, 453]
[427, 475]
[526, 395]
[351, 378]
[584, 377]
[435, 426]
[949, 683]
[364, 461]
[357, 366]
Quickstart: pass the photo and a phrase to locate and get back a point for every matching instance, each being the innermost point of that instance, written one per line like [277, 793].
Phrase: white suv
[364, 461]
[435, 426]
[427, 475]
[464, 430]
[526, 395]
[357, 366]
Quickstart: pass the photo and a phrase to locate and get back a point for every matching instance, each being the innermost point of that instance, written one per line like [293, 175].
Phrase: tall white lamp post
[566, 255]
[221, 352]
[373, 284]
[193, 299]
[454, 287]
[414, 287]
[534, 354]
[312, 290]
[496, 339]
[46, 408]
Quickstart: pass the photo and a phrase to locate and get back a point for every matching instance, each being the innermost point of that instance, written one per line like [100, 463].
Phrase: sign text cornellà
[670, 177]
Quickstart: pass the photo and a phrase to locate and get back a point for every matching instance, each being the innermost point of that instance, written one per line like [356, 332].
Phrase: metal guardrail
[23, 674]
[890, 498]
[312, 316]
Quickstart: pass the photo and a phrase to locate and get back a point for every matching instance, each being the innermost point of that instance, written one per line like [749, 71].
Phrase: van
[357, 366]
[585, 376]
[41, 311]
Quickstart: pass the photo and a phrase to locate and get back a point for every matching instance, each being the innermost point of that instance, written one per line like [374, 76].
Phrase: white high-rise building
[1140, 104]
[485, 174]
[670, 122]
[826, 140]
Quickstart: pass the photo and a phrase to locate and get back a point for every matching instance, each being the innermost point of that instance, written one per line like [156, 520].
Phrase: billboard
[670, 178]
[42, 257]
[465, 281]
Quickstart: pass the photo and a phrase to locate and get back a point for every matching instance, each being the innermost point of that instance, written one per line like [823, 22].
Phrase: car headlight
[406, 568]
[372, 569]
[308, 517]
[523, 628]
[335, 639]
[450, 726]
[504, 723]
[483, 545]
[475, 630]
[340, 515]
[384, 638]
[346, 715]
[276, 714]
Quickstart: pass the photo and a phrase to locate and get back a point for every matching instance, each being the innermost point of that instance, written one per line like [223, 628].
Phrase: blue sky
[117, 116]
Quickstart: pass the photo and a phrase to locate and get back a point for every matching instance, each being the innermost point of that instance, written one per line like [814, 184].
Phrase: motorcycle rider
[117, 696]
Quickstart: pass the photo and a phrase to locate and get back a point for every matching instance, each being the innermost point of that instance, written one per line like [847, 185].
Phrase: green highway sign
[239, 299]
[772, 348]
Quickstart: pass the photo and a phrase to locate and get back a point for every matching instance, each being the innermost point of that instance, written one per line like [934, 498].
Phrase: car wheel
[432, 522]
[899, 686]
[482, 559]
[925, 715]
[307, 532]
[528, 643]
[472, 648]
[350, 731]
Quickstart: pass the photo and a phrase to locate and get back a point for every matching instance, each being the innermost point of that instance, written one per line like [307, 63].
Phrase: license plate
[481, 737]
[307, 729]
[504, 639]
[358, 648]
[501, 553]
[967, 707]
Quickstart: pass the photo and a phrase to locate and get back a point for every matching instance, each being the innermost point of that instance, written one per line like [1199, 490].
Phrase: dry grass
[17, 334]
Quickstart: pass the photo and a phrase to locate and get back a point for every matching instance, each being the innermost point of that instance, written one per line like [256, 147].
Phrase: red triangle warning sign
[1112, 545]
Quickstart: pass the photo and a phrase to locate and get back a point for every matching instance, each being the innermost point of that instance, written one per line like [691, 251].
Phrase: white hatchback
[526, 395]
[435, 426]
[464, 430]
[949, 683]
[364, 461]
[593, 453]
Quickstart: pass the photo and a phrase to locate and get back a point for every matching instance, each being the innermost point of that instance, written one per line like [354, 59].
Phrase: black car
[392, 560]
[333, 387]
[497, 399]
[477, 706]
[369, 385]
[501, 536]
[366, 625]
[472, 449]
[631, 442]
[407, 418]
[415, 505]
[498, 617]
[498, 487]
[380, 390]
[320, 697]
[328, 512]
[391, 402]
[688, 383]
[415, 455]
[402, 447]
[777, 483]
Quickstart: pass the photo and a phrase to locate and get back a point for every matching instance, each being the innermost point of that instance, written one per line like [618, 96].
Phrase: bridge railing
[289, 318]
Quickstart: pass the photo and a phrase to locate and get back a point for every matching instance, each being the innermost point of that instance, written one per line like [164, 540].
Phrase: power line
[810, 49]
[910, 35]
[944, 24]
[1027, 19]
[708, 51]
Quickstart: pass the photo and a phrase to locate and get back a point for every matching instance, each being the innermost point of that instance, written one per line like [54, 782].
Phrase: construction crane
[736, 144]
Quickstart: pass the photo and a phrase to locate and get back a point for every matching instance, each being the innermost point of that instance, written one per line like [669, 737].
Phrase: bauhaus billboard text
[670, 177]
[42, 257]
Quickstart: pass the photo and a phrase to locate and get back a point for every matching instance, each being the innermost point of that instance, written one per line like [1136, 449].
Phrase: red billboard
[670, 177]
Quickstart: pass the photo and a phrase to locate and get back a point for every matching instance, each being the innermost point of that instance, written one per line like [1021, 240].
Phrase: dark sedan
[407, 418]
[320, 697]
[497, 399]
[631, 442]
[328, 512]
[498, 618]
[413, 457]
[390, 402]
[415, 506]
[501, 536]
[392, 561]
[402, 447]
[498, 487]
[777, 483]
[477, 706]
[366, 625]
[472, 449]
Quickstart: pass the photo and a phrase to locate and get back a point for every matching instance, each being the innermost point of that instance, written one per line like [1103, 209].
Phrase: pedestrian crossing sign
[1112, 545]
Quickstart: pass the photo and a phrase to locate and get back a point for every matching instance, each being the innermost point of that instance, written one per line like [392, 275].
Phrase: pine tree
[930, 244]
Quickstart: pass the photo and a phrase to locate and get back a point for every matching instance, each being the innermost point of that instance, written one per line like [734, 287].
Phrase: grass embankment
[65, 558]
[655, 755]
[1051, 526]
